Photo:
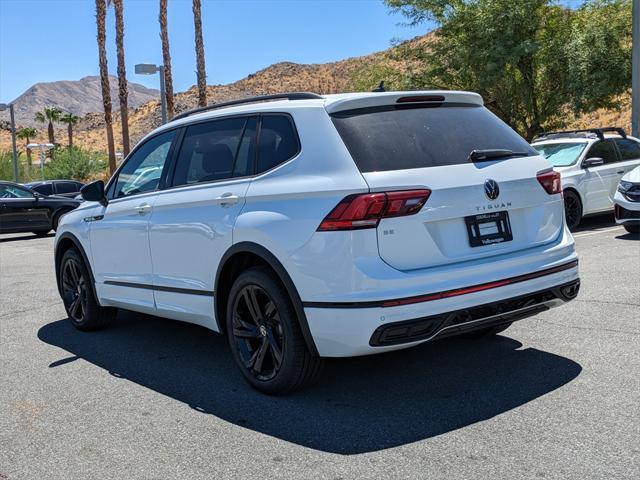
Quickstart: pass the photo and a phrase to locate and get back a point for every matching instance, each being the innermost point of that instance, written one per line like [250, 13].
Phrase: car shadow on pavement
[360, 405]
[26, 236]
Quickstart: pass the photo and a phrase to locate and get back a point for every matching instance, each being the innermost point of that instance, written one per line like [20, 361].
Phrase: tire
[487, 332]
[265, 337]
[80, 302]
[632, 227]
[56, 219]
[572, 209]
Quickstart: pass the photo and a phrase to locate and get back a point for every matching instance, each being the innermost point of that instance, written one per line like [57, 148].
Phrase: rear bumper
[344, 332]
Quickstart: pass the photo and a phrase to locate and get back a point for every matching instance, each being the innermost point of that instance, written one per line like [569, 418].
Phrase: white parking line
[586, 234]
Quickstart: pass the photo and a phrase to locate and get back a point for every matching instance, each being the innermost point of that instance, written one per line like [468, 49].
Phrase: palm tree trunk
[52, 138]
[28, 152]
[70, 133]
[104, 81]
[123, 94]
[166, 57]
[202, 74]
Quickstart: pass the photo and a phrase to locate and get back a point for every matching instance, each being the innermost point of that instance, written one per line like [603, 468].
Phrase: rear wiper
[485, 155]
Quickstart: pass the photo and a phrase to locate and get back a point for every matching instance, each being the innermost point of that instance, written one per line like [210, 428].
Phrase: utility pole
[635, 75]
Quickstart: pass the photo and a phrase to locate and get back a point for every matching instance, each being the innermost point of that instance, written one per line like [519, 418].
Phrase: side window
[209, 150]
[12, 191]
[629, 149]
[44, 189]
[278, 142]
[66, 187]
[605, 150]
[143, 169]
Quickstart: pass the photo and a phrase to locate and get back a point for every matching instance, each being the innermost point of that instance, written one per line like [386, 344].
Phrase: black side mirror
[94, 192]
[592, 162]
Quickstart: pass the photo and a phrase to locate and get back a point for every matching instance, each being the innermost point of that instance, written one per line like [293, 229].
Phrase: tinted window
[278, 142]
[13, 191]
[67, 187]
[392, 138]
[605, 150]
[560, 154]
[629, 149]
[209, 150]
[44, 189]
[143, 169]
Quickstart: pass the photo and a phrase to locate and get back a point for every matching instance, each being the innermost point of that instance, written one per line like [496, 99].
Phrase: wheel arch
[246, 254]
[65, 242]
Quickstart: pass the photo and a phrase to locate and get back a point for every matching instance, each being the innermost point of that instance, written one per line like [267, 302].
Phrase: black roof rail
[242, 101]
[597, 131]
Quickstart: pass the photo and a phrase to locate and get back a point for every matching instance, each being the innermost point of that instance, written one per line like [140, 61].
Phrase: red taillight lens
[550, 181]
[365, 211]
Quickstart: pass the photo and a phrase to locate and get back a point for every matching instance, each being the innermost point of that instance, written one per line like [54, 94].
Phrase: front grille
[463, 320]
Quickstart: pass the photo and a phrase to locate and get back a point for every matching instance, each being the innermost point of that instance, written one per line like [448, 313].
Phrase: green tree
[26, 134]
[49, 115]
[70, 119]
[535, 62]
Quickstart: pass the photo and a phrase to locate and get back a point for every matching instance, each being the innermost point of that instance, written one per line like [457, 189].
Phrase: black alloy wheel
[572, 210]
[258, 332]
[74, 290]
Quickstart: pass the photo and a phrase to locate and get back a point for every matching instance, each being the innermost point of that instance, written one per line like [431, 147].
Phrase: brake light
[550, 181]
[365, 211]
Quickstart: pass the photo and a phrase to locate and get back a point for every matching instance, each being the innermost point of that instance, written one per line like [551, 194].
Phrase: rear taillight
[365, 211]
[550, 181]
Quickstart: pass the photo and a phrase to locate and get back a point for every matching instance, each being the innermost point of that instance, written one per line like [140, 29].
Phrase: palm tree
[70, 119]
[166, 57]
[101, 13]
[123, 94]
[26, 134]
[202, 74]
[49, 115]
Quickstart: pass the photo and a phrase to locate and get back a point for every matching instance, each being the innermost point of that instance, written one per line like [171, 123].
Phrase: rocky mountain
[79, 97]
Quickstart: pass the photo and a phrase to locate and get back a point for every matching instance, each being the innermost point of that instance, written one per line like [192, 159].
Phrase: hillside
[79, 97]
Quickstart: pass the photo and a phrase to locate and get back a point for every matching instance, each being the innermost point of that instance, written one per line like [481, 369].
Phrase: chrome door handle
[144, 209]
[227, 199]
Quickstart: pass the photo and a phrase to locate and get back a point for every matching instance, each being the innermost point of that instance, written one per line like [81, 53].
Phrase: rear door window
[629, 149]
[66, 187]
[399, 138]
[44, 189]
[209, 151]
[278, 142]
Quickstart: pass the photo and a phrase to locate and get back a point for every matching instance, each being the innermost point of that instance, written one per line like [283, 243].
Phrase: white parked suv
[591, 163]
[305, 226]
[627, 201]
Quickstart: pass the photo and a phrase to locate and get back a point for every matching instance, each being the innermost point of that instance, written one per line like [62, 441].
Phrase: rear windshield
[560, 154]
[397, 138]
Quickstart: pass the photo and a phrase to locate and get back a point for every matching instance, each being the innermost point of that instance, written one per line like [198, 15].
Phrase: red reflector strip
[478, 288]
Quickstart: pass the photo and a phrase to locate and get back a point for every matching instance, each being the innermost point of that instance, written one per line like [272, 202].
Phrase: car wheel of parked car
[487, 332]
[572, 209]
[633, 228]
[56, 220]
[265, 336]
[79, 301]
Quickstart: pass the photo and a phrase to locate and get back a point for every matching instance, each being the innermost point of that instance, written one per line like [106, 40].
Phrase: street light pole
[4, 106]
[635, 75]
[150, 69]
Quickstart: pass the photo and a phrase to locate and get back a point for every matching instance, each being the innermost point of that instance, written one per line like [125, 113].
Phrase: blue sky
[48, 40]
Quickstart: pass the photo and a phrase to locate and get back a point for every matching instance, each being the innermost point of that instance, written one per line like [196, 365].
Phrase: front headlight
[624, 187]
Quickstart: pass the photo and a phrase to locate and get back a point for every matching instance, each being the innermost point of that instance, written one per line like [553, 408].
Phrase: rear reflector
[365, 211]
[550, 181]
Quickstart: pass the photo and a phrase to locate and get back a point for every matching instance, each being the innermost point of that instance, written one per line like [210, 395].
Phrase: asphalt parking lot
[556, 396]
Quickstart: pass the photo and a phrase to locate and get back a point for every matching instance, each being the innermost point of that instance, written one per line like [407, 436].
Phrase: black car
[64, 188]
[22, 210]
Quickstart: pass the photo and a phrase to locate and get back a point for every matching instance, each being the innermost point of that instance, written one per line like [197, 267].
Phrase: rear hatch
[482, 205]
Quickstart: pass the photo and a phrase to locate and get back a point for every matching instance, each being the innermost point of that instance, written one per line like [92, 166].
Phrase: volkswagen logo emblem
[491, 189]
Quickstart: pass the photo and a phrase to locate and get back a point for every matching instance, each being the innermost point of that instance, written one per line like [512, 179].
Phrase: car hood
[633, 176]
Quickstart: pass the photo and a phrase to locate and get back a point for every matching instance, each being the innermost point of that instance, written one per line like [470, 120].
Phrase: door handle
[620, 172]
[144, 209]
[227, 199]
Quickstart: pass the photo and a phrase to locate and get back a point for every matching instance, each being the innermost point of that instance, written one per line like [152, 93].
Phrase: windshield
[398, 138]
[561, 154]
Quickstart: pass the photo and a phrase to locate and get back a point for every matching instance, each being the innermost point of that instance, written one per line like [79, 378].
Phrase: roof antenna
[379, 88]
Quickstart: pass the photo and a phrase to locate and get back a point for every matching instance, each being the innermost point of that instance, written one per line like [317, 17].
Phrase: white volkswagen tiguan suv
[305, 226]
[591, 163]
